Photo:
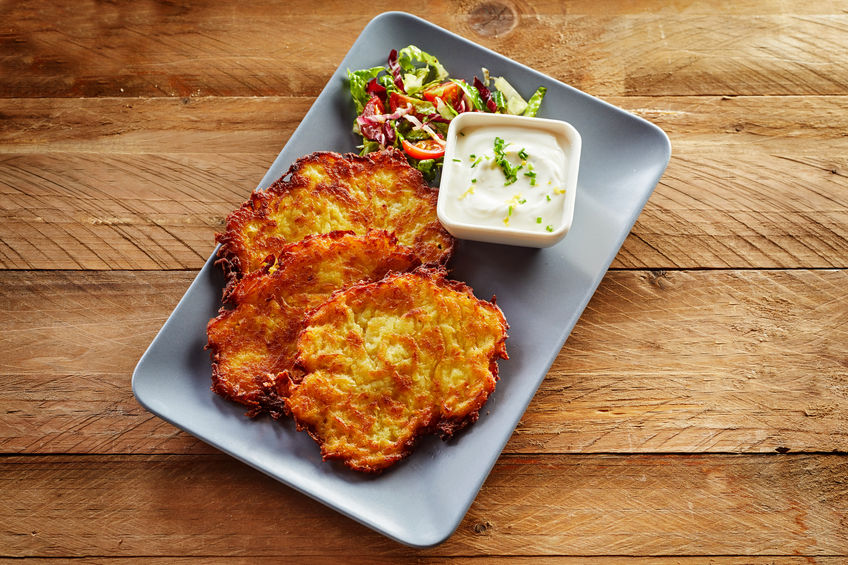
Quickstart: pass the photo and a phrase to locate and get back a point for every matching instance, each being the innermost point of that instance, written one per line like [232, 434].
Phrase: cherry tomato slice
[426, 149]
[398, 100]
[373, 106]
[449, 92]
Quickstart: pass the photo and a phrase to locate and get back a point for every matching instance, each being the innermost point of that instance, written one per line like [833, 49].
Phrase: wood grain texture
[89, 211]
[235, 125]
[707, 358]
[71, 344]
[94, 185]
[660, 362]
[542, 506]
[210, 49]
[696, 414]
[211, 125]
[762, 181]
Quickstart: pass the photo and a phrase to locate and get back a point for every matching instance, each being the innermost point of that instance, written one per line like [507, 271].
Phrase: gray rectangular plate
[422, 500]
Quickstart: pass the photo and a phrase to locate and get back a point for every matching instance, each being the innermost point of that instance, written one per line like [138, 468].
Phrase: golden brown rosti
[326, 191]
[388, 361]
[254, 342]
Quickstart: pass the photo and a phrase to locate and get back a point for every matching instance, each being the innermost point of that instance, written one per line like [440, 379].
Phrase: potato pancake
[255, 342]
[326, 191]
[388, 361]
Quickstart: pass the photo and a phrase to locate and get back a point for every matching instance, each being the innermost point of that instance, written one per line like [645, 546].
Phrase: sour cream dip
[509, 179]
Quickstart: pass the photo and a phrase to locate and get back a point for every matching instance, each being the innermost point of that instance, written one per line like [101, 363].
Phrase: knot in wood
[484, 528]
[493, 19]
[659, 278]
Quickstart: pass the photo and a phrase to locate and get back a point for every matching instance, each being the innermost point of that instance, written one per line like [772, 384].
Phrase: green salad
[409, 103]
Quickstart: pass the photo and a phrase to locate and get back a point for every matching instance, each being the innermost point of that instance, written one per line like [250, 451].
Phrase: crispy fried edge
[272, 388]
[446, 428]
[257, 204]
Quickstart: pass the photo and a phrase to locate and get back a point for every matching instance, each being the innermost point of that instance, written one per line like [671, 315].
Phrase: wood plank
[222, 124]
[90, 211]
[69, 349]
[749, 181]
[577, 505]
[216, 125]
[700, 361]
[646, 47]
[729, 207]
[82, 192]
[735, 361]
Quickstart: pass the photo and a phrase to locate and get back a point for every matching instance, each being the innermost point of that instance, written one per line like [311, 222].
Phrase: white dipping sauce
[531, 199]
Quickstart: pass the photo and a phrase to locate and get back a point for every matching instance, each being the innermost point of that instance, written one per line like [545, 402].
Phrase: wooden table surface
[699, 409]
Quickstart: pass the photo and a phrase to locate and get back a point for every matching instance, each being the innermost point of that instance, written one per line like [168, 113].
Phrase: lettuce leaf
[368, 146]
[535, 101]
[500, 100]
[472, 94]
[515, 104]
[445, 110]
[428, 167]
[419, 69]
[358, 80]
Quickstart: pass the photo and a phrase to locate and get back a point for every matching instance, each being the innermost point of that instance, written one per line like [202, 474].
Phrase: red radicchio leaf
[396, 70]
[376, 89]
[376, 130]
[389, 132]
[486, 95]
[371, 130]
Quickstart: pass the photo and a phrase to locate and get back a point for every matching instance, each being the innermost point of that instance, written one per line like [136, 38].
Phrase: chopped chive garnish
[539, 220]
[549, 227]
[473, 180]
[523, 154]
[532, 174]
[509, 213]
[475, 163]
[510, 171]
[522, 201]
[548, 196]
[457, 160]
[472, 156]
